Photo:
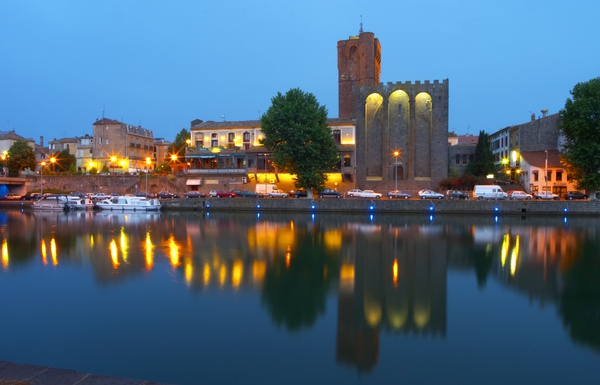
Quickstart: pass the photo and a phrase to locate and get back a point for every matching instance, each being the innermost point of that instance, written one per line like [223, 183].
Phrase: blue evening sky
[162, 64]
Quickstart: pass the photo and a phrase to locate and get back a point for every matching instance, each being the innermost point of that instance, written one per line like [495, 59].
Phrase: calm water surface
[240, 298]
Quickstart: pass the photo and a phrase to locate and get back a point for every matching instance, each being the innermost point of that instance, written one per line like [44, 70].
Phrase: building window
[250, 163]
[535, 176]
[549, 176]
[199, 143]
[471, 158]
[337, 136]
[214, 141]
[457, 159]
[347, 161]
[559, 176]
[246, 137]
[106, 140]
[464, 159]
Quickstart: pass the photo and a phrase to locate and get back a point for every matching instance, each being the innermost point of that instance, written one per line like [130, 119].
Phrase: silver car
[430, 194]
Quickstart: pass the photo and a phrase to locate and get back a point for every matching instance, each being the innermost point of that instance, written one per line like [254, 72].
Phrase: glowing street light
[52, 161]
[42, 164]
[148, 163]
[396, 154]
[113, 160]
[173, 159]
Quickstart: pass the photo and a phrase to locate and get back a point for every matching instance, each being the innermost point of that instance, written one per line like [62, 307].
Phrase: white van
[270, 190]
[489, 191]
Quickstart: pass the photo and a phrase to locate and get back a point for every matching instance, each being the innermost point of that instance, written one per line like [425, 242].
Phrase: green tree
[483, 162]
[296, 131]
[20, 157]
[580, 125]
[64, 160]
[180, 143]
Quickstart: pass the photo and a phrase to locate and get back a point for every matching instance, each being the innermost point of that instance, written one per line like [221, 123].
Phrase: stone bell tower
[359, 62]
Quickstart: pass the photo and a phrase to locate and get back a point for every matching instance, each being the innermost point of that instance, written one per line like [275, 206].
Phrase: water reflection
[389, 273]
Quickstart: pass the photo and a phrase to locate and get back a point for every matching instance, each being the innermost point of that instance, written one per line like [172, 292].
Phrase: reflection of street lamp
[148, 162]
[42, 164]
[396, 154]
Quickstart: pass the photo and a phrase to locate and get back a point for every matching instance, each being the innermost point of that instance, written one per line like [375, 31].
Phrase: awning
[193, 182]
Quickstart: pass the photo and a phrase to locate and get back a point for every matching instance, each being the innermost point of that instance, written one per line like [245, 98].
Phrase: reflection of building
[399, 285]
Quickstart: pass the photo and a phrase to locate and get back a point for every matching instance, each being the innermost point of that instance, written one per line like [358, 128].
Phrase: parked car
[329, 193]
[354, 193]
[194, 194]
[224, 194]
[546, 195]
[570, 195]
[430, 194]
[456, 194]
[277, 194]
[11, 196]
[212, 193]
[519, 195]
[245, 194]
[166, 195]
[32, 196]
[399, 194]
[99, 196]
[369, 194]
[298, 193]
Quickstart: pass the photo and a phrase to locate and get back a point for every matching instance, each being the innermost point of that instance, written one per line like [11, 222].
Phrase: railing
[215, 171]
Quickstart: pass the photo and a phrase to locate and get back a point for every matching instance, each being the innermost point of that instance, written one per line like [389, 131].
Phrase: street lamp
[42, 164]
[52, 160]
[113, 160]
[546, 171]
[174, 159]
[148, 162]
[396, 154]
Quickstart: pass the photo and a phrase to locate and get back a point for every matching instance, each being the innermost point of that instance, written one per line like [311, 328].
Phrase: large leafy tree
[483, 162]
[301, 142]
[20, 157]
[180, 143]
[580, 125]
[64, 161]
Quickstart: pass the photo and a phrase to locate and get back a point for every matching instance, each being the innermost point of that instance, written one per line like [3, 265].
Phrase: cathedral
[401, 127]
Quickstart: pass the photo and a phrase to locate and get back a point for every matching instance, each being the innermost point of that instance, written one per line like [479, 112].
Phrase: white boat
[129, 203]
[79, 203]
[52, 202]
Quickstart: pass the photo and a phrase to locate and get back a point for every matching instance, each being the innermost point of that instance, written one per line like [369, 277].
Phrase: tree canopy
[64, 161]
[301, 142]
[483, 162]
[580, 125]
[20, 157]
[180, 143]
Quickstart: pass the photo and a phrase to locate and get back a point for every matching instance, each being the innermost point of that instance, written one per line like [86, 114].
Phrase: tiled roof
[256, 123]
[468, 139]
[106, 121]
[12, 135]
[538, 158]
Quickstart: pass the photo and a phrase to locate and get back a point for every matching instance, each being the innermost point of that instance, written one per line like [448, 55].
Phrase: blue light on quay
[372, 207]
[565, 209]
[430, 218]
[312, 207]
[496, 209]
[431, 208]
[371, 217]
[258, 206]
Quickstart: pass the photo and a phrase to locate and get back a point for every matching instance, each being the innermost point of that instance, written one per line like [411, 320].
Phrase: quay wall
[589, 208]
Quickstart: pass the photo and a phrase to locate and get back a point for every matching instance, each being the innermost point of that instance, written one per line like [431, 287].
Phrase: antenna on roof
[361, 29]
[103, 106]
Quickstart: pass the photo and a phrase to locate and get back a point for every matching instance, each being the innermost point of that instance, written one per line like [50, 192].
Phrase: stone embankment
[534, 207]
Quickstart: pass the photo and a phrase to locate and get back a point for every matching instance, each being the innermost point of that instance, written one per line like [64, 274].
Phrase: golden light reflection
[347, 275]
[206, 274]
[173, 252]
[514, 258]
[124, 241]
[222, 275]
[91, 240]
[333, 239]
[288, 259]
[504, 249]
[395, 272]
[237, 273]
[114, 254]
[259, 269]
[188, 271]
[53, 253]
[4, 254]
[44, 253]
[149, 247]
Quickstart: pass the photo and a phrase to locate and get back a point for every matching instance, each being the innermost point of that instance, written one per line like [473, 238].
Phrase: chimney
[41, 141]
[532, 117]
[544, 112]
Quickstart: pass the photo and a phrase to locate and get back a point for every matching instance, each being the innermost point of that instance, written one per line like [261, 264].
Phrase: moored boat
[131, 203]
[52, 202]
[79, 203]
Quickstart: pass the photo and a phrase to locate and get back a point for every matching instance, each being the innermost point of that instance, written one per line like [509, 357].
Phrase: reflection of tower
[359, 63]
[413, 301]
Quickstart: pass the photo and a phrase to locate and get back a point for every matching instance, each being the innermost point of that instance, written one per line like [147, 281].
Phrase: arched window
[464, 159]
[457, 159]
[347, 161]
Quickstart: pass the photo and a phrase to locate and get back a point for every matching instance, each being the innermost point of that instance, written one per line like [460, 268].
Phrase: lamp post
[148, 162]
[113, 159]
[52, 161]
[174, 159]
[42, 164]
[546, 171]
[396, 154]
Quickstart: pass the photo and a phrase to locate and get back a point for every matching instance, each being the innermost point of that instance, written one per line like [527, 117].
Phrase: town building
[461, 152]
[121, 147]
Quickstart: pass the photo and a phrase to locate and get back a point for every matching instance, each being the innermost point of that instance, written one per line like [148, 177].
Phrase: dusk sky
[162, 64]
